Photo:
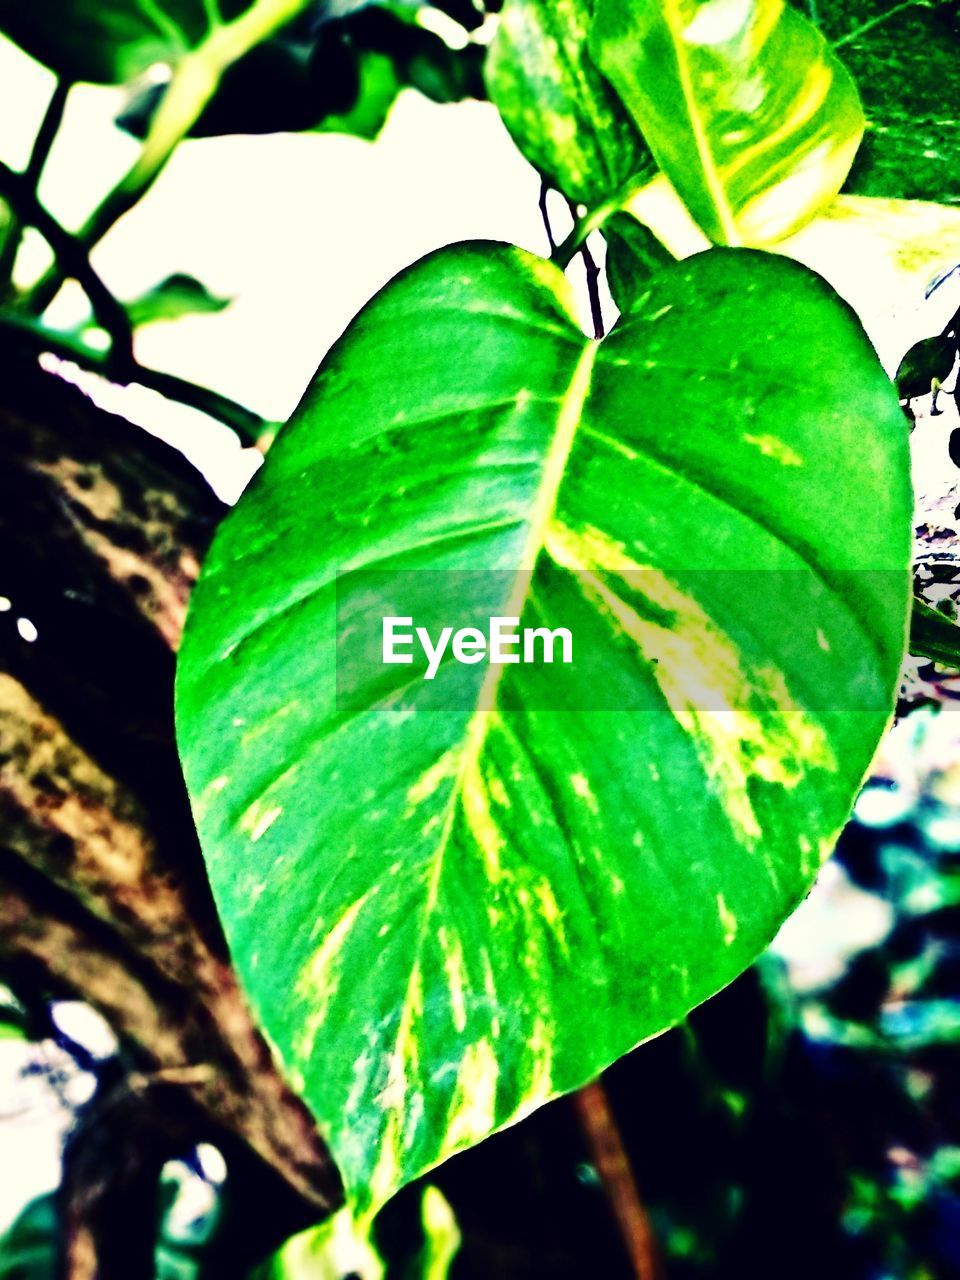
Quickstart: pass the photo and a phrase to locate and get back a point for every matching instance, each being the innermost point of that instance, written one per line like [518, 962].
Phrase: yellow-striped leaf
[744, 105]
[451, 900]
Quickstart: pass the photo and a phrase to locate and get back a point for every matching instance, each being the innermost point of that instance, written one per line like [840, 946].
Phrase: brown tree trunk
[103, 895]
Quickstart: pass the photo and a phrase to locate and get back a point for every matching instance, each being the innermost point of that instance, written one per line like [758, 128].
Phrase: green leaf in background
[927, 364]
[339, 76]
[338, 1247]
[13, 1016]
[906, 61]
[634, 254]
[341, 1247]
[452, 901]
[28, 1249]
[742, 102]
[441, 1236]
[105, 41]
[933, 635]
[559, 109]
[177, 296]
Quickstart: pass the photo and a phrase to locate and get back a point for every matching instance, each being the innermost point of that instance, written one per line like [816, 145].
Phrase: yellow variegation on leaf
[452, 900]
[744, 104]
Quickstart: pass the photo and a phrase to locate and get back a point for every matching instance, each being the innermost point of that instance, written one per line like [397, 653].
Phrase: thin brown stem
[593, 290]
[602, 1135]
[249, 426]
[49, 127]
[545, 215]
[72, 259]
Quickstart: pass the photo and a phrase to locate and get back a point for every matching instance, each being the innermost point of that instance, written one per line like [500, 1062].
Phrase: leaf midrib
[568, 420]
[701, 141]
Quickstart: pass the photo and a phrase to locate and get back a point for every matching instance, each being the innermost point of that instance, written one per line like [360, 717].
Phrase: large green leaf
[906, 59]
[742, 102]
[561, 112]
[452, 900]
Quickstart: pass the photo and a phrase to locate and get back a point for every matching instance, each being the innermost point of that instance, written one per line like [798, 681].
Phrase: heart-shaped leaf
[744, 105]
[451, 900]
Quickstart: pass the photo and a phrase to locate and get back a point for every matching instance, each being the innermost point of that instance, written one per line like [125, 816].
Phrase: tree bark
[104, 896]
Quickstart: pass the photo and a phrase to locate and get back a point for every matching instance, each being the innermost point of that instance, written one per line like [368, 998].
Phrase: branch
[194, 82]
[248, 425]
[545, 215]
[73, 260]
[49, 127]
[600, 1130]
[593, 290]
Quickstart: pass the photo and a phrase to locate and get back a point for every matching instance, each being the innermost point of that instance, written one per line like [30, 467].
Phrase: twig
[545, 215]
[248, 425]
[593, 289]
[72, 259]
[194, 82]
[599, 1128]
[49, 126]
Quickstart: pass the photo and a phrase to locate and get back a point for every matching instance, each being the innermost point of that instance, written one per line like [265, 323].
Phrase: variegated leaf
[743, 103]
[452, 900]
[561, 112]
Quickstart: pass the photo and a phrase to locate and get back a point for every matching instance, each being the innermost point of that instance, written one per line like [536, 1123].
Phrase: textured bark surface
[102, 888]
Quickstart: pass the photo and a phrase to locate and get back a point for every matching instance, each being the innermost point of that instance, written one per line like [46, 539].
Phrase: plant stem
[49, 126]
[249, 426]
[545, 215]
[602, 1135]
[119, 364]
[193, 84]
[593, 290]
[564, 253]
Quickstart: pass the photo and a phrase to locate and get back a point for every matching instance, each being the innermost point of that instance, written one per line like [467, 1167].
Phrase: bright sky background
[299, 230]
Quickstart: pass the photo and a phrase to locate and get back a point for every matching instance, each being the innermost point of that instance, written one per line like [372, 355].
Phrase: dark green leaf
[342, 77]
[933, 635]
[928, 361]
[905, 58]
[634, 254]
[28, 1250]
[745, 107]
[178, 295]
[107, 41]
[450, 902]
[559, 109]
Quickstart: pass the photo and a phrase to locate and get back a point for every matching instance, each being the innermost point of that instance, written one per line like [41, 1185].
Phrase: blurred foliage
[28, 1251]
[904, 58]
[334, 74]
